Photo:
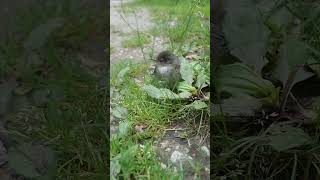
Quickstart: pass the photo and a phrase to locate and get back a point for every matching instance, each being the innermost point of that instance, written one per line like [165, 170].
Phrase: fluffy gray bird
[167, 68]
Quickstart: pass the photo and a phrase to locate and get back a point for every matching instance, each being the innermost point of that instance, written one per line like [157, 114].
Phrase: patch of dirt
[125, 24]
[177, 146]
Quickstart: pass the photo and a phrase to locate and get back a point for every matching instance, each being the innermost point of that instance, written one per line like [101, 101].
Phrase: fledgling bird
[167, 68]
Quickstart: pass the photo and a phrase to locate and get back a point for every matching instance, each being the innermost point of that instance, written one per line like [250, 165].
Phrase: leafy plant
[239, 79]
[276, 52]
[195, 77]
[278, 140]
[246, 33]
[255, 29]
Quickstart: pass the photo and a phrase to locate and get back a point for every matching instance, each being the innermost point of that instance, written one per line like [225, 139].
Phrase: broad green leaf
[202, 78]
[125, 160]
[122, 73]
[119, 112]
[185, 87]
[168, 94]
[287, 137]
[152, 91]
[282, 18]
[185, 95]
[32, 161]
[293, 53]
[239, 106]
[238, 79]
[160, 93]
[124, 128]
[186, 71]
[198, 105]
[197, 67]
[245, 32]
[39, 36]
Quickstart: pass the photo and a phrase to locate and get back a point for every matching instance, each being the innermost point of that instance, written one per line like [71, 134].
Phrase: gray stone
[205, 150]
[177, 157]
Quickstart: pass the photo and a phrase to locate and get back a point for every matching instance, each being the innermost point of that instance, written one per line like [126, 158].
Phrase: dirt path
[126, 23]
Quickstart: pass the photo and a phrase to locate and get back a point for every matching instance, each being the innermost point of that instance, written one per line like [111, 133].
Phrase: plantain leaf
[160, 93]
[202, 78]
[185, 87]
[124, 129]
[119, 112]
[241, 105]
[245, 32]
[293, 53]
[122, 73]
[198, 105]
[239, 79]
[282, 18]
[185, 95]
[186, 71]
[286, 137]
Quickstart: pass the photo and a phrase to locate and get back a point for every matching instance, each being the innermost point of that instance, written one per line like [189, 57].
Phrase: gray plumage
[167, 68]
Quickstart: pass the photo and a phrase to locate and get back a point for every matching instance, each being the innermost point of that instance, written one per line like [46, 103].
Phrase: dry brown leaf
[140, 127]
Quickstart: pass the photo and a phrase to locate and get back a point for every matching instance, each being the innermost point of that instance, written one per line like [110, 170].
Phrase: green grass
[181, 21]
[74, 121]
[136, 41]
[142, 108]
[139, 162]
[156, 115]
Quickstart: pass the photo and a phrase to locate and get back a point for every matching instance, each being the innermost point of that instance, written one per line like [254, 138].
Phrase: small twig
[201, 119]
[207, 134]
